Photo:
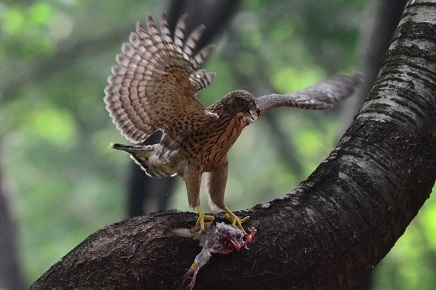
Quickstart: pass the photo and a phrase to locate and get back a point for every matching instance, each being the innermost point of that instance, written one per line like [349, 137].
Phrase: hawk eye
[245, 103]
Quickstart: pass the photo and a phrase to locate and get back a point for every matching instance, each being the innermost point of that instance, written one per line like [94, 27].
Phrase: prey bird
[154, 87]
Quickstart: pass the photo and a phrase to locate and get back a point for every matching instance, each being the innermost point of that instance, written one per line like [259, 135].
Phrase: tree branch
[327, 233]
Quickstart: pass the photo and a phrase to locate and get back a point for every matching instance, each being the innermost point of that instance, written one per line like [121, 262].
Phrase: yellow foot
[203, 218]
[231, 217]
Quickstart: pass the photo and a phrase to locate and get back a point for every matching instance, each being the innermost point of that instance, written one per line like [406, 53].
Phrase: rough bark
[382, 18]
[331, 230]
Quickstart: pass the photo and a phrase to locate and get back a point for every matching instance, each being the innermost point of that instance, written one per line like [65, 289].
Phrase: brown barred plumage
[154, 87]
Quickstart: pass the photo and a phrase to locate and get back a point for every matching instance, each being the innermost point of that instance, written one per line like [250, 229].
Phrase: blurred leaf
[289, 79]
[13, 21]
[309, 142]
[428, 220]
[40, 13]
[56, 126]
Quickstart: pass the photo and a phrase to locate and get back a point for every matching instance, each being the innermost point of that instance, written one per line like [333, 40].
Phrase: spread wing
[323, 95]
[153, 87]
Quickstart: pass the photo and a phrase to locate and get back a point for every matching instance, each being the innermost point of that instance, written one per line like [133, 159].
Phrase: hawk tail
[143, 156]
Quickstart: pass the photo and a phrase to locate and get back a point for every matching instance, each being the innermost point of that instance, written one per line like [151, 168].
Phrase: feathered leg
[192, 177]
[216, 185]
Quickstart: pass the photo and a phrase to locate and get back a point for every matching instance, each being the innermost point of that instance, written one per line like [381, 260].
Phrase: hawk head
[240, 103]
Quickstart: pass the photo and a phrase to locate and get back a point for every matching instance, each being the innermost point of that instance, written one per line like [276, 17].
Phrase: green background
[64, 181]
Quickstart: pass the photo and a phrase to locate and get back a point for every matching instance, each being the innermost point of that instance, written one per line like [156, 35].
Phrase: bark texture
[326, 234]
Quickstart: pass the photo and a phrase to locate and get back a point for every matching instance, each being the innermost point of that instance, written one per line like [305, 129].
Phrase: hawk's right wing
[320, 96]
[154, 86]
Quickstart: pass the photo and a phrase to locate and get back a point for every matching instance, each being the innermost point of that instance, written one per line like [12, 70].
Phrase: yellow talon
[231, 217]
[203, 218]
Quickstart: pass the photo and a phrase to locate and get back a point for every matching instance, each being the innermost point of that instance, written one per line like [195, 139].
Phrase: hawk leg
[203, 218]
[231, 217]
[192, 179]
[216, 184]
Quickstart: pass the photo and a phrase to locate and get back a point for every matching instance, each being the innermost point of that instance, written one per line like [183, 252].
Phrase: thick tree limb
[327, 233]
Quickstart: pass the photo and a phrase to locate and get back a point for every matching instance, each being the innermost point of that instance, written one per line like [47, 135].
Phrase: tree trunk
[331, 230]
[10, 270]
[382, 18]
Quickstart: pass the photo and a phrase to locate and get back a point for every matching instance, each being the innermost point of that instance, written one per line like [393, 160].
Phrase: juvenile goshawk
[154, 87]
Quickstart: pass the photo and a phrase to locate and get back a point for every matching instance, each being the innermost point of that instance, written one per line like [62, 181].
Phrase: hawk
[154, 87]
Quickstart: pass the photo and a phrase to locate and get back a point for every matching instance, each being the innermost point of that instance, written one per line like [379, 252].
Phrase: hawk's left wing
[155, 83]
[323, 95]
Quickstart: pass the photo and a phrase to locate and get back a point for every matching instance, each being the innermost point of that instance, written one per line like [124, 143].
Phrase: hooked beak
[255, 113]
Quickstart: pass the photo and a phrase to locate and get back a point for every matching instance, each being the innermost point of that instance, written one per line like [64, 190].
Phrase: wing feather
[155, 81]
[321, 96]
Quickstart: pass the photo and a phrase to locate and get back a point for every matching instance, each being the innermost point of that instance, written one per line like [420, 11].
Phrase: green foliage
[411, 263]
[55, 57]
[25, 29]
